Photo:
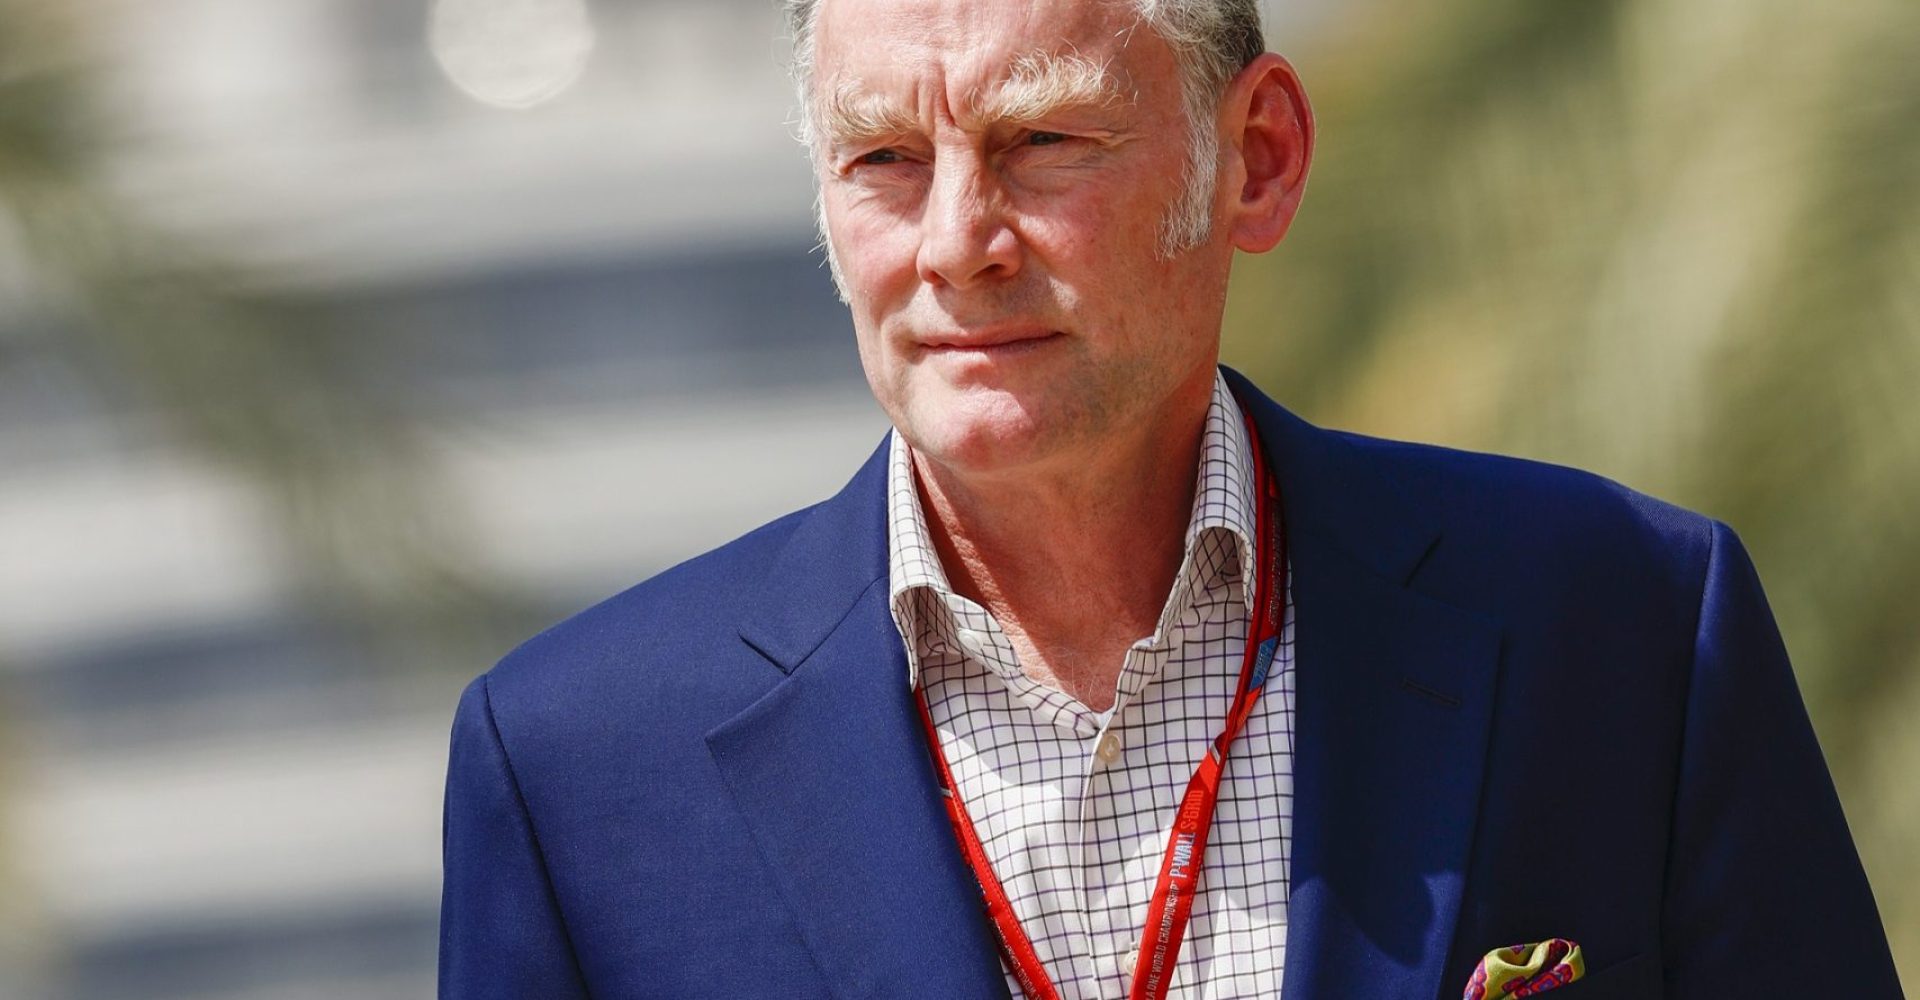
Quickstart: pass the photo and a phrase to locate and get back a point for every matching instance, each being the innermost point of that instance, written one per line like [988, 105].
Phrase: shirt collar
[1223, 500]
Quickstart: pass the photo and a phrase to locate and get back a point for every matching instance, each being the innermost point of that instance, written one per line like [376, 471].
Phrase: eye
[1045, 138]
[878, 158]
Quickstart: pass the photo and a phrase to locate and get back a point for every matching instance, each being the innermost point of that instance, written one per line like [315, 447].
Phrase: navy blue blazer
[1531, 704]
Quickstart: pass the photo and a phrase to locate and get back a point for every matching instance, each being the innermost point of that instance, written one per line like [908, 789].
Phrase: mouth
[988, 343]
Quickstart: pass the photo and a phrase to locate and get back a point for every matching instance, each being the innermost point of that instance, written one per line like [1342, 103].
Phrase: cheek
[874, 241]
[887, 373]
[1113, 211]
[1102, 244]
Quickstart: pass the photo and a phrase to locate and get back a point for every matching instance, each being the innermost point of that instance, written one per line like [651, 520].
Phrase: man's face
[997, 175]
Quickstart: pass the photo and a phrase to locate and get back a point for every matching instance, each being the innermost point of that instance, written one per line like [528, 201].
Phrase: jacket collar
[837, 551]
[1334, 491]
[840, 546]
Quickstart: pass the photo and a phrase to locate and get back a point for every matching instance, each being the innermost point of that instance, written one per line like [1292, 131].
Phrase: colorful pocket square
[1526, 970]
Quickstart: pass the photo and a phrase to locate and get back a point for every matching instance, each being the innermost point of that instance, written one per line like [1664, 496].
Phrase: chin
[980, 433]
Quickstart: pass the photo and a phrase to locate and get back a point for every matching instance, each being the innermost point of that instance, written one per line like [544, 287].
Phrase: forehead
[926, 49]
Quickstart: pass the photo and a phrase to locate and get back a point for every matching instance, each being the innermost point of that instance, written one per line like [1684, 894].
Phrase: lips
[987, 341]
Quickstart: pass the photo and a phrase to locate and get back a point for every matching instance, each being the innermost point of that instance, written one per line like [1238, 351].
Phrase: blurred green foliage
[1676, 242]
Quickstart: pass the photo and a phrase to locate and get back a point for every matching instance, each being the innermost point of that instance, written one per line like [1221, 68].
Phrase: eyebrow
[1038, 85]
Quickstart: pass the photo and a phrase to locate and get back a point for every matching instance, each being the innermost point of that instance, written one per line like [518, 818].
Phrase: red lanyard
[1172, 901]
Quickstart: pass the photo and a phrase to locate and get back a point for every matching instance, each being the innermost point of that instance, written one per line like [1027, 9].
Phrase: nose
[964, 237]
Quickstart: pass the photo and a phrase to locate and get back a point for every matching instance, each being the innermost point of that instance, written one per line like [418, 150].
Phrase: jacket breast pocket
[1636, 978]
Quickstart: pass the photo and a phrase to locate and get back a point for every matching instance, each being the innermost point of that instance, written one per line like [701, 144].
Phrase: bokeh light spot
[511, 53]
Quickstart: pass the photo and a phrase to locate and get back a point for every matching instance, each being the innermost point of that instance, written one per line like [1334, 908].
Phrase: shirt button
[1109, 749]
[1126, 960]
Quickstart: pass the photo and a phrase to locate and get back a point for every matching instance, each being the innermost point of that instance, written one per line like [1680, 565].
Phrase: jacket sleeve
[1765, 895]
[501, 934]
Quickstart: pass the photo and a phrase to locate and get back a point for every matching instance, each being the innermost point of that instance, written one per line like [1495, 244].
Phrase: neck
[1075, 558]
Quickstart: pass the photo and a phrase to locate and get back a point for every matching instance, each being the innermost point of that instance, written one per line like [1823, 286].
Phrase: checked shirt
[1072, 805]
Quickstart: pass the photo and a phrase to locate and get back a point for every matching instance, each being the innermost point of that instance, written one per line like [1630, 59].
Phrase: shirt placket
[1070, 735]
[1128, 853]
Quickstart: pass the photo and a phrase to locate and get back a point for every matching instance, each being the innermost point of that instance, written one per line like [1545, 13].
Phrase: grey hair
[1211, 41]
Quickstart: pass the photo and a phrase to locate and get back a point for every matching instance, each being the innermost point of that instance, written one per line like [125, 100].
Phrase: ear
[1268, 128]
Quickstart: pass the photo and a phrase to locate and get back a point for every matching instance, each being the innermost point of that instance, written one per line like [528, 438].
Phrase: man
[1021, 711]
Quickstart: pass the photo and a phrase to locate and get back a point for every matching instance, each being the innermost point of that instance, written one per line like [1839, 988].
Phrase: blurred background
[344, 343]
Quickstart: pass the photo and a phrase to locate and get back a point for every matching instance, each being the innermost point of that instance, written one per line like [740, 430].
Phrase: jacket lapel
[1394, 698]
[831, 774]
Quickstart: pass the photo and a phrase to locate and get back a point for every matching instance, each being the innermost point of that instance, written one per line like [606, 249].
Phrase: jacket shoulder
[1538, 522]
[661, 640]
